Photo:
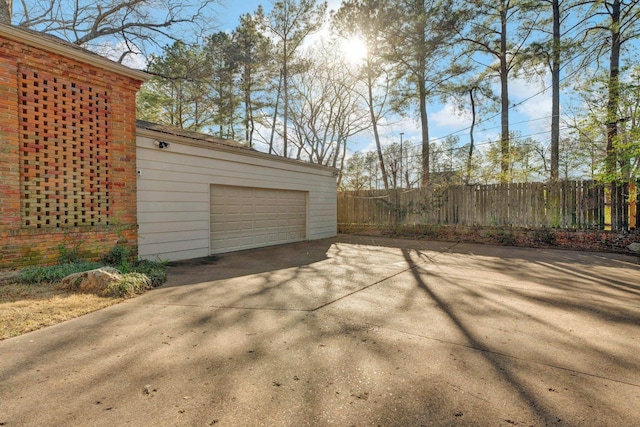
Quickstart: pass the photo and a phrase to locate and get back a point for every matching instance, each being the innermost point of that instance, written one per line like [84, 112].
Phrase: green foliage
[524, 160]
[119, 255]
[69, 254]
[37, 275]
[156, 271]
[130, 285]
[356, 175]
[138, 275]
[223, 89]
[178, 94]
[120, 258]
[153, 272]
[619, 161]
[252, 53]
[289, 23]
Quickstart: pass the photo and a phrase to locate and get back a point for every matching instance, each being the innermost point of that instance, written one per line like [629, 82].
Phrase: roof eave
[36, 41]
[149, 133]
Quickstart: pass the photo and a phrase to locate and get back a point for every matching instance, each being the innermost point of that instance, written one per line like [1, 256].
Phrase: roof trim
[190, 134]
[64, 48]
[149, 133]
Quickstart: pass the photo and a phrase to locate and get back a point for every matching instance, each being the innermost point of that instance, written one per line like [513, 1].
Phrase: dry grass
[25, 308]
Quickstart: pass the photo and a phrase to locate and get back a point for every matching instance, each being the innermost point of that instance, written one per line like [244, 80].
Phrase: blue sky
[231, 10]
[532, 116]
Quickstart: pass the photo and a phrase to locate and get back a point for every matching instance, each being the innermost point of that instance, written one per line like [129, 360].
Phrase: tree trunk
[504, 94]
[471, 140]
[421, 52]
[424, 122]
[285, 78]
[275, 115]
[344, 155]
[252, 127]
[614, 88]
[6, 11]
[248, 109]
[374, 125]
[618, 219]
[555, 93]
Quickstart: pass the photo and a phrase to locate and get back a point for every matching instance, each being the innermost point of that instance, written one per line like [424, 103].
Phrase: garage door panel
[244, 217]
[217, 209]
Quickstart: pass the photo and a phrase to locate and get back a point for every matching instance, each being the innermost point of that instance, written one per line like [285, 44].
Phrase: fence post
[636, 193]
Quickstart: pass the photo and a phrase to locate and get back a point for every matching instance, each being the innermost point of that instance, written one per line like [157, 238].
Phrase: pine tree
[423, 38]
[291, 22]
[500, 30]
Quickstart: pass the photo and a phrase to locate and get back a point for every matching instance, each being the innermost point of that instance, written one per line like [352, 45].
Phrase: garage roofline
[221, 146]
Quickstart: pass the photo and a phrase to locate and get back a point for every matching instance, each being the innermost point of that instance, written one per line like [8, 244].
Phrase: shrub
[156, 271]
[118, 256]
[36, 275]
[130, 285]
[70, 255]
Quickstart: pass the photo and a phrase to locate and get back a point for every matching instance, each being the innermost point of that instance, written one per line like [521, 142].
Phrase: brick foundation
[584, 240]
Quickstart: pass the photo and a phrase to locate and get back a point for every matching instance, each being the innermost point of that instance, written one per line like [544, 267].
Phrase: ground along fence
[569, 204]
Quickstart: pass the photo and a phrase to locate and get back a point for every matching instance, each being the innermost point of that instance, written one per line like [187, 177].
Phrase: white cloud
[533, 99]
[529, 97]
[535, 96]
[137, 62]
[521, 88]
[451, 116]
[537, 108]
[113, 52]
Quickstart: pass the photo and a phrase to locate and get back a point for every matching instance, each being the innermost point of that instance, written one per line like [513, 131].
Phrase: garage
[198, 195]
[249, 217]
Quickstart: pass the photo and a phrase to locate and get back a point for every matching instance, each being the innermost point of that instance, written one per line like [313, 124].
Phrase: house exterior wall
[174, 192]
[67, 152]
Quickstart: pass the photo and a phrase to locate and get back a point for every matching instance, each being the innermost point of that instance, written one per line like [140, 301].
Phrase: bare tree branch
[132, 25]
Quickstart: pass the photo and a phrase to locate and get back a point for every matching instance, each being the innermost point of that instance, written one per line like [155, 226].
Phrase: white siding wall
[173, 193]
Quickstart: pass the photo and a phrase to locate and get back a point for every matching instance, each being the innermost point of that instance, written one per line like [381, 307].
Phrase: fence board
[567, 204]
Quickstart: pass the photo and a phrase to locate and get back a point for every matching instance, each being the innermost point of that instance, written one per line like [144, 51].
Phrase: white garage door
[245, 217]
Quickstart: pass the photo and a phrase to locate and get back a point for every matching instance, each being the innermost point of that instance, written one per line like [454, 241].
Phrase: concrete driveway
[350, 331]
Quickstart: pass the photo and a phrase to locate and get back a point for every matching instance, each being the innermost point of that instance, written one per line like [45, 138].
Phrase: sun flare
[354, 50]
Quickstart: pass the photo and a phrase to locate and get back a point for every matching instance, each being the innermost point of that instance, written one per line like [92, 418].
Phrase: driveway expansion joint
[413, 266]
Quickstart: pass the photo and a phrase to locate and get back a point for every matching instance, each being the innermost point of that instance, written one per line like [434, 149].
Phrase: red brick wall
[89, 174]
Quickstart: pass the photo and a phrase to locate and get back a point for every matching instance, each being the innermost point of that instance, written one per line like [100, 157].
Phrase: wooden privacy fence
[568, 204]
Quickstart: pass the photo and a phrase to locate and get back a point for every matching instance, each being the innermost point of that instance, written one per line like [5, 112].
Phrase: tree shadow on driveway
[358, 332]
[527, 312]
